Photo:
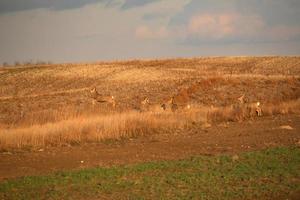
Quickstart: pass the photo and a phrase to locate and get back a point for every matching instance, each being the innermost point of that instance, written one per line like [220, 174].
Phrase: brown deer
[255, 107]
[170, 104]
[251, 107]
[241, 99]
[102, 99]
[145, 103]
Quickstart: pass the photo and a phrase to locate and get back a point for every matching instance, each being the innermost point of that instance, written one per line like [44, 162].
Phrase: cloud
[237, 21]
[7, 6]
[194, 7]
[274, 12]
[154, 16]
[136, 3]
[237, 27]
[223, 26]
[155, 19]
[115, 29]
[144, 32]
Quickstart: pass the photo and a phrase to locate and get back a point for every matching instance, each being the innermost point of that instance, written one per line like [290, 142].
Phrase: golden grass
[282, 108]
[95, 128]
[241, 113]
[50, 105]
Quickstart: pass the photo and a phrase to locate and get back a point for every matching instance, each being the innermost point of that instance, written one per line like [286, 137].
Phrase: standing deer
[145, 104]
[241, 99]
[21, 109]
[255, 107]
[102, 99]
[170, 104]
[251, 107]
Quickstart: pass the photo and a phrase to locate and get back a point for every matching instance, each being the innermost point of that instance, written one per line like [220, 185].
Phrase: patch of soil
[229, 138]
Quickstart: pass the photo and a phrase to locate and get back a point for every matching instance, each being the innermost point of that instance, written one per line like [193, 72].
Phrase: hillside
[41, 92]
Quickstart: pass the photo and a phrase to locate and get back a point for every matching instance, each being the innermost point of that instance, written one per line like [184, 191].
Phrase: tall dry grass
[88, 127]
[241, 113]
[95, 128]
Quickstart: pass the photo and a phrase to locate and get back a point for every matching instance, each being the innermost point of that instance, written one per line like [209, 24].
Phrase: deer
[144, 104]
[251, 107]
[170, 104]
[102, 99]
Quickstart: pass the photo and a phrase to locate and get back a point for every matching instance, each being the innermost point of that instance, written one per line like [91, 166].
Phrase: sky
[96, 30]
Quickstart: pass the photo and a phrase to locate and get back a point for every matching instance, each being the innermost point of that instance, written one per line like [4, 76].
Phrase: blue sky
[93, 30]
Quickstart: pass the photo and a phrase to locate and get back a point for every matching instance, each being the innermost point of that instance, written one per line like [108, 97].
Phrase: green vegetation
[256, 175]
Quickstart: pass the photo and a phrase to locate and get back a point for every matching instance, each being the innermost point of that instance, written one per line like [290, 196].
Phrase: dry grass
[282, 108]
[241, 113]
[50, 105]
[77, 128]
[95, 128]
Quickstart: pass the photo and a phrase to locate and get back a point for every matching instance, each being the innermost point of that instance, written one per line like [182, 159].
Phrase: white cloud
[144, 32]
[237, 21]
[232, 27]
[224, 25]
[157, 27]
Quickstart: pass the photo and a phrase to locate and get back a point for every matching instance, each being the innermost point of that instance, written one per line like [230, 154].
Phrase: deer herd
[170, 105]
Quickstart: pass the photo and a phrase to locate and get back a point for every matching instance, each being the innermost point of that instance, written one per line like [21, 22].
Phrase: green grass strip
[257, 175]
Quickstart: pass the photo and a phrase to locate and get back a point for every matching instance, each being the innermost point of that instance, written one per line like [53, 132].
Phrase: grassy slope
[257, 175]
[61, 91]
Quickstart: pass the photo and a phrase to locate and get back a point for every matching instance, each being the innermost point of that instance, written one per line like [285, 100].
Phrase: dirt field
[229, 138]
[48, 98]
